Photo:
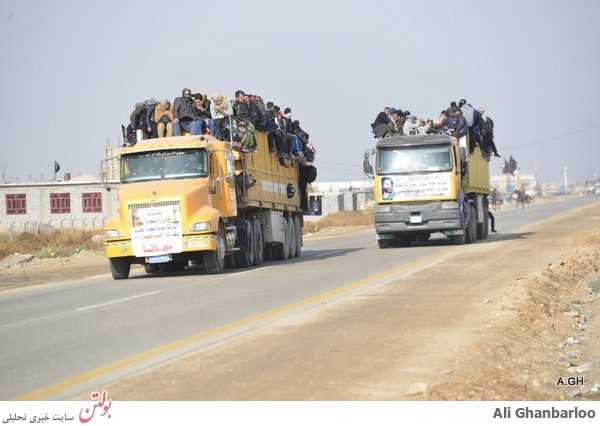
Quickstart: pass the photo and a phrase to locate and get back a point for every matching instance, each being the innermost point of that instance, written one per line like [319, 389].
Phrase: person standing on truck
[487, 132]
[475, 123]
[183, 113]
[486, 203]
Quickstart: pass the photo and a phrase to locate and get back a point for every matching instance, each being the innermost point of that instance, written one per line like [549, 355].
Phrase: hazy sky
[72, 71]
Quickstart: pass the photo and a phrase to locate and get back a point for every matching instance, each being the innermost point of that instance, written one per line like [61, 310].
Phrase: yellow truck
[425, 184]
[193, 200]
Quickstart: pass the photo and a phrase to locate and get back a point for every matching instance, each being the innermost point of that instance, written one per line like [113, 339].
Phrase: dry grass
[346, 218]
[51, 245]
[66, 244]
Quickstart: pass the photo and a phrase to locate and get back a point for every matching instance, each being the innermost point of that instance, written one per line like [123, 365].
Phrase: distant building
[78, 203]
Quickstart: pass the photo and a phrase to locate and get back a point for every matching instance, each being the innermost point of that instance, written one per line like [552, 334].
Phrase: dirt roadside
[525, 325]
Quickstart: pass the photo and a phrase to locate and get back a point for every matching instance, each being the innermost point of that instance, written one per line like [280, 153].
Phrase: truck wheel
[259, 242]
[282, 251]
[483, 229]
[245, 257]
[383, 244]
[298, 229]
[151, 268]
[214, 261]
[292, 240]
[471, 231]
[120, 267]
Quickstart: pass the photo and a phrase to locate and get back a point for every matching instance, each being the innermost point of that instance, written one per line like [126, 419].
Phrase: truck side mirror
[367, 166]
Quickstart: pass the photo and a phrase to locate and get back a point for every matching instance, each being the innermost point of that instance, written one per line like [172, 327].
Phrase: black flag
[513, 165]
[56, 167]
[509, 166]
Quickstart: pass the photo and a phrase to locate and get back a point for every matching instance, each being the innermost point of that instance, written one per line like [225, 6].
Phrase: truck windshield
[164, 165]
[414, 159]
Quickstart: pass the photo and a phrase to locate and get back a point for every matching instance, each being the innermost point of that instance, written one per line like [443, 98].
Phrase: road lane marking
[195, 339]
[329, 253]
[112, 302]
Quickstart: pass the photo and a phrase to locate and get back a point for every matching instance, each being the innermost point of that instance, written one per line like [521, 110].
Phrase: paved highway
[63, 340]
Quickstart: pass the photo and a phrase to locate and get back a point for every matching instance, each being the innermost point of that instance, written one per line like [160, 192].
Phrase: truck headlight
[112, 233]
[201, 226]
[448, 205]
[383, 208]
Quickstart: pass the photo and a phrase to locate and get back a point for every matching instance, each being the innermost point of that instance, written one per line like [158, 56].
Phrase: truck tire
[214, 261]
[292, 240]
[471, 231]
[151, 268]
[383, 244]
[120, 267]
[483, 229]
[298, 229]
[245, 257]
[281, 251]
[259, 242]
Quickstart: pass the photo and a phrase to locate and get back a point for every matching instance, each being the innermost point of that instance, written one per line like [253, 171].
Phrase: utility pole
[565, 179]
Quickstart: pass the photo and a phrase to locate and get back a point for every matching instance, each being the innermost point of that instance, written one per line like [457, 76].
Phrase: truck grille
[148, 205]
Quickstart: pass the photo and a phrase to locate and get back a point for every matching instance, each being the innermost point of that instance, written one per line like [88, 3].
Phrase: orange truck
[193, 200]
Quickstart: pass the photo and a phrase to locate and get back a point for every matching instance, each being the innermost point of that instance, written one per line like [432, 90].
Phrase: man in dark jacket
[183, 113]
[142, 118]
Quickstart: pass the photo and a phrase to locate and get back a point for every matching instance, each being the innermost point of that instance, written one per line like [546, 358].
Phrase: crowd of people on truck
[226, 119]
[470, 125]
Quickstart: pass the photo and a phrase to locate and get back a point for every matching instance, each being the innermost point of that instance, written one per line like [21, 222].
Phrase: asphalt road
[63, 340]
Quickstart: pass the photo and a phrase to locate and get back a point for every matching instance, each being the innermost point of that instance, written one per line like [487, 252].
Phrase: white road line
[85, 308]
[329, 253]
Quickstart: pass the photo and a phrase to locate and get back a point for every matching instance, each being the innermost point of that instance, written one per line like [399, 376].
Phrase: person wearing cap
[487, 132]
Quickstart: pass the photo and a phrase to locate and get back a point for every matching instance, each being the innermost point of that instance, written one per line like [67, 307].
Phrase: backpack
[263, 115]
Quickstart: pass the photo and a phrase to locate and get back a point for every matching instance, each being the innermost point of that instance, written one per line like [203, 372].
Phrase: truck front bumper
[428, 218]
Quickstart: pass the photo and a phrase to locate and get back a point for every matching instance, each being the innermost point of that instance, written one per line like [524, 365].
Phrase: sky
[72, 71]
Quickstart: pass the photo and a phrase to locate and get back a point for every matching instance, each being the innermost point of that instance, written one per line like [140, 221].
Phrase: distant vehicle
[425, 184]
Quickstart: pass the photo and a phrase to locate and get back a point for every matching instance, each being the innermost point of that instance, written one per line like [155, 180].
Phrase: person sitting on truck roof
[461, 128]
[163, 116]
[204, 121]
[396, 124]
[183, 113]
[220, 108]
[246, 114]
[380, 126]
[141, 119]
[411, 124]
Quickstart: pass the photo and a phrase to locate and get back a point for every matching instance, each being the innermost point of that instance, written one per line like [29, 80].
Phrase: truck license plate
[158, 259]
[416, 218]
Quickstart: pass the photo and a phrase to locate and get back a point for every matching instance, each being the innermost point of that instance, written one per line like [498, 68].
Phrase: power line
[582, 130]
